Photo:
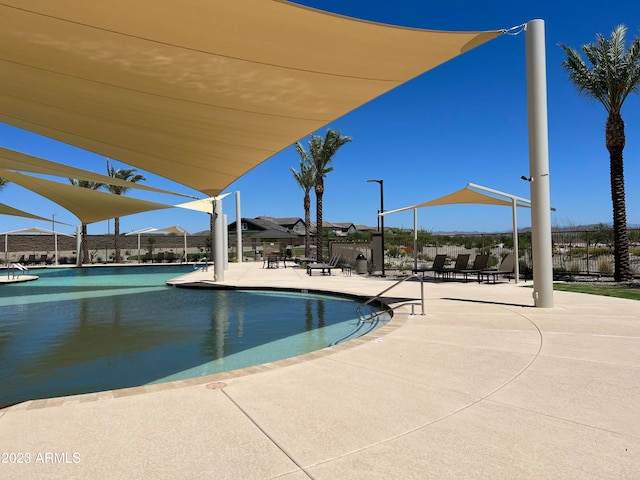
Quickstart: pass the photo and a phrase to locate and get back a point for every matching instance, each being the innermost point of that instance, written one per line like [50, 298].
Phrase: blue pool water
[91, 329]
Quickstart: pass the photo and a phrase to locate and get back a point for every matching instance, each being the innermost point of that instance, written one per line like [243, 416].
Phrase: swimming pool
[91, 329]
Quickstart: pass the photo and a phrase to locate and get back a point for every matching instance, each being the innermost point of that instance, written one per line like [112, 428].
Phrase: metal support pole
[415, 240]
[539, 165]
[225, 241]
[239, 252]
[79, 241]
[218, 241]
[516, 250]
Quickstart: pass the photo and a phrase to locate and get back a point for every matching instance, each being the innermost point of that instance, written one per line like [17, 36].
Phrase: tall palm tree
[3, 182]
[612, 75]
[306, 178]
[91, 186]
[128, 175]
[321, 152]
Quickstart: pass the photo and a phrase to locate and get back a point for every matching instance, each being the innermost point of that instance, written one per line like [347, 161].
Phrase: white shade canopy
[199, 92]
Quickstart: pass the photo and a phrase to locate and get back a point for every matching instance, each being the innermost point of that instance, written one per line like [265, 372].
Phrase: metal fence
[574, 251]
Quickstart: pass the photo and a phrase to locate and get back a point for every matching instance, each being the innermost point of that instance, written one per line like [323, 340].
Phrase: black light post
[381, 218]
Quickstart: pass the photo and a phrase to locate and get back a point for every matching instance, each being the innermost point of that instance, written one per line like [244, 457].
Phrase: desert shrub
[604, 266]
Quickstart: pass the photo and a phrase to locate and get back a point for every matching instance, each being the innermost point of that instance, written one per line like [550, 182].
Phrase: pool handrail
[201, 264]
[372, 299]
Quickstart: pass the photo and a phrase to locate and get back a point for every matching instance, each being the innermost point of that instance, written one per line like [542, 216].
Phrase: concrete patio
[483, 386]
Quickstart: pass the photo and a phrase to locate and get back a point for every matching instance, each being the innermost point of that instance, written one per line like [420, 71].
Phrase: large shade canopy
[7, 210]
[17, 161]
[472, 194]
[86, 204]
[201, 91]
[464, 196]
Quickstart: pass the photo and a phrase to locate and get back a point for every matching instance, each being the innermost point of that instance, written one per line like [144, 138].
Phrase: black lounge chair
[438, 264]
[479, 264]
[170, 257]
[21, 260]
[462, 261]
[31, 260]
[43, 260]
[325, 268]
[507, 267]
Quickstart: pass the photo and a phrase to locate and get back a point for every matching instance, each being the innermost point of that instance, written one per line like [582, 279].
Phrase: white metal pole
[185, 246]
[79, 241]
[239, 252]
[225, 241]
[218, 241]
[415, 239]
[55, 243]
[516, 250]
[539, 165]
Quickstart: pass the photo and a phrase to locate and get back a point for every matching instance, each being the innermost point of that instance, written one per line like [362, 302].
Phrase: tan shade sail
[463, 196]
[199, 91]
[7, 210]
[12, 160]
[86, 204]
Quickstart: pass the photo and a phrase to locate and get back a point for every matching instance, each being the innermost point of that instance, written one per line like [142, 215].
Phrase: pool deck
[484, 386]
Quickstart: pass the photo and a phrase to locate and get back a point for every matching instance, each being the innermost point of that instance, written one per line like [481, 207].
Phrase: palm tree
[306, 178]
[321, 152]
[3, 183]
[91, 186]
[128, 175]
[612, 75]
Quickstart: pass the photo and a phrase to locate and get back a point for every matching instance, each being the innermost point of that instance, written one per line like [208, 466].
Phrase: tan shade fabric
[41, 231]
[199, 91]
[463, 196]
[86, 204]
[7, 210]
[12, 160]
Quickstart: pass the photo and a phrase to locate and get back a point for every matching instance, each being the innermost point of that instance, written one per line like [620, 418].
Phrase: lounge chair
[43, 260]
[171, 257]
[479, 264]
[438, 264]
[51, 260]
[160, 257]
[506, 267]
[147, 257]
[325, 268]
[462, 261]
[272, 261]
[31, 260]
[21, 260]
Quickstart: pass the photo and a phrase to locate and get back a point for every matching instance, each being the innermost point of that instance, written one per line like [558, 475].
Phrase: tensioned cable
[517, 30]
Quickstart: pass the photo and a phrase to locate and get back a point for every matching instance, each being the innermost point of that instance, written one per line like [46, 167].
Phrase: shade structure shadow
[487, 302]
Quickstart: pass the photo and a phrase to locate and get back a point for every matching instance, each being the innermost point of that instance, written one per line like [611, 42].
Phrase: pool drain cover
[216, 385]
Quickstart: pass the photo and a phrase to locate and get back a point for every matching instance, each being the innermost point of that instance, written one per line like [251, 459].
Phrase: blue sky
[465, 121]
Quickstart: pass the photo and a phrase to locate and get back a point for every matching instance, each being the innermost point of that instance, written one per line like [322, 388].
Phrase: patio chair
[21, 260]
[51, 260]
[479, 264]
[438, 264]
[325, 268]
[273, 261]
[507, 267]
[160, 257]
[462, 261]
[171, 257]
[43, 260]
[31, 260]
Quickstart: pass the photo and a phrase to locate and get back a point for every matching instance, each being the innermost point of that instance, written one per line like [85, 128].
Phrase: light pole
[381, 218]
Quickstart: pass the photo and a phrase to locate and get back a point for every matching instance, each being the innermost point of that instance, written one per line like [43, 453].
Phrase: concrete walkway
[484, 386]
